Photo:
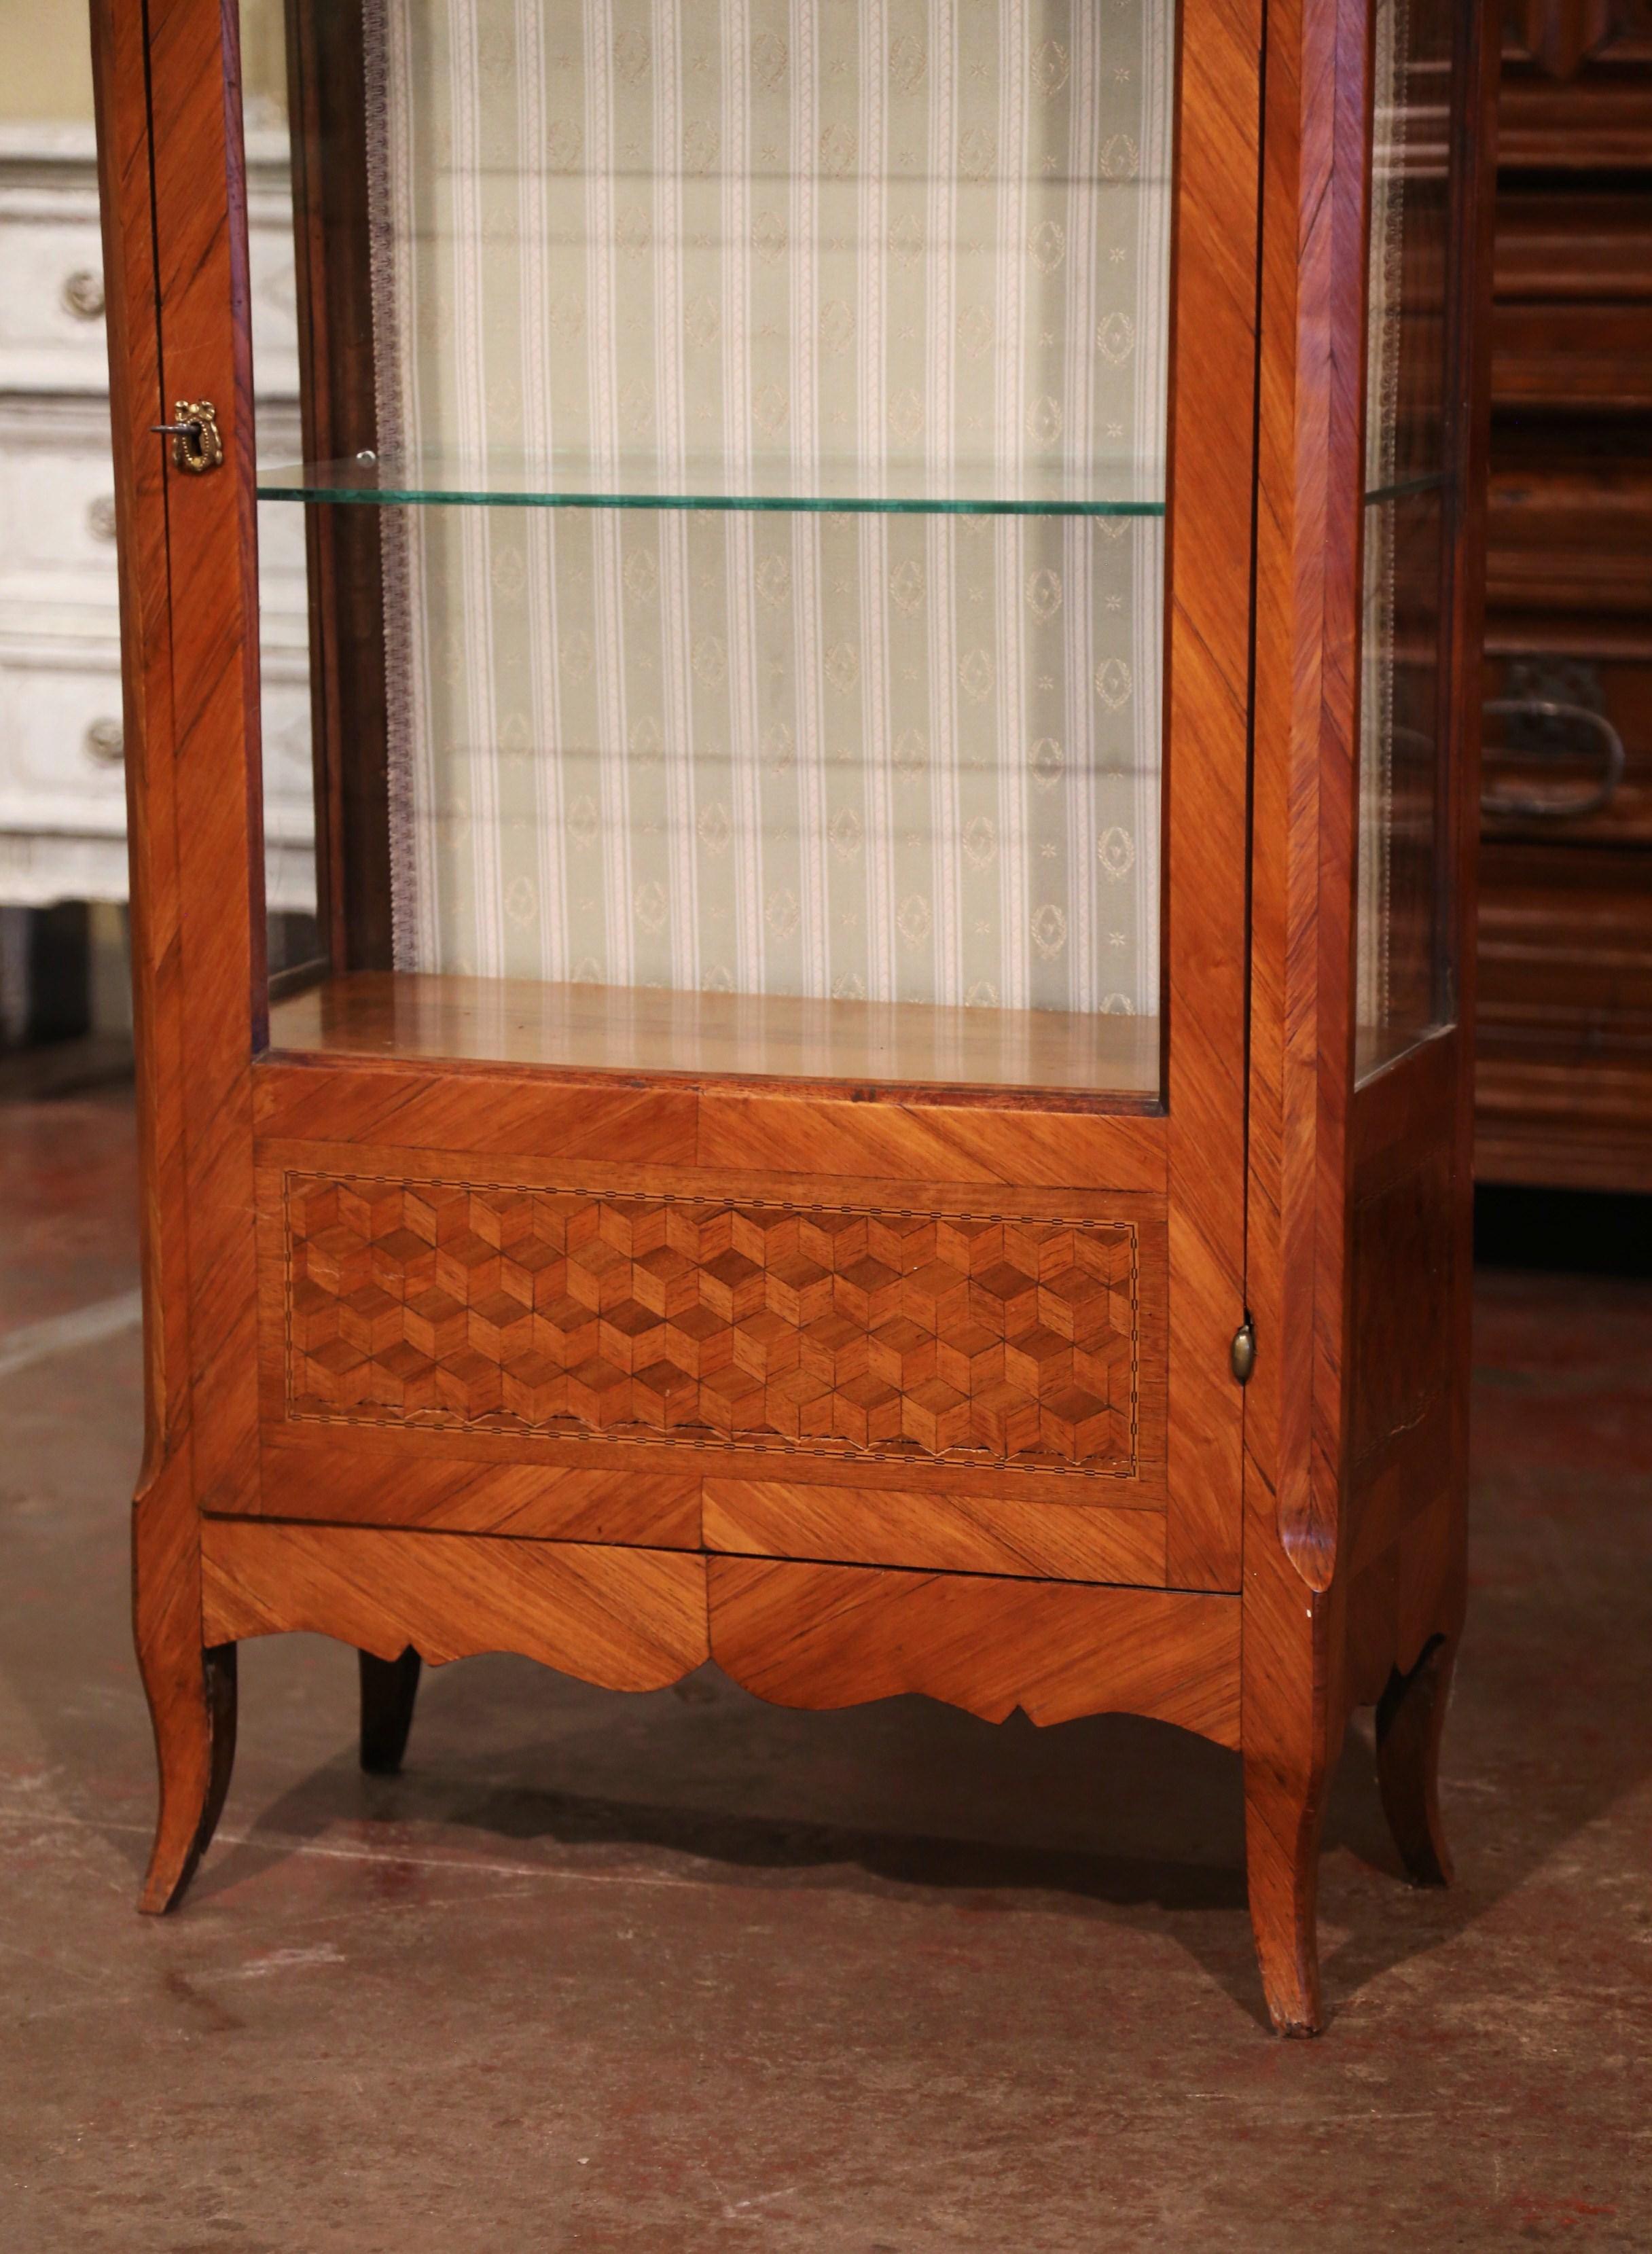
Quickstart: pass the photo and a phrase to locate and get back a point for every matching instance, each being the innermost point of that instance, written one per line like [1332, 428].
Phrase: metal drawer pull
[83, 295]
[1524, 806]
[105, 743]
[197, 444]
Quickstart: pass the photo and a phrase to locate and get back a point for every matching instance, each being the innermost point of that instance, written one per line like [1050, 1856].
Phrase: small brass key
[198, 444]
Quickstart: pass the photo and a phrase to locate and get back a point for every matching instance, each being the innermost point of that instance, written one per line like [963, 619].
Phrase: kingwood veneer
[862, 1348]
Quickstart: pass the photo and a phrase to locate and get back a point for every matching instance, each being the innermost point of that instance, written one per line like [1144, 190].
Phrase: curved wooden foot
[1282, 1821]
[194, 1718]
[388, 1688]
[1409, 1717]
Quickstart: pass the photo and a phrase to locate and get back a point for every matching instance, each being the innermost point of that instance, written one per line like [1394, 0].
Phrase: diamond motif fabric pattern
[845, 1331]
[864, 759]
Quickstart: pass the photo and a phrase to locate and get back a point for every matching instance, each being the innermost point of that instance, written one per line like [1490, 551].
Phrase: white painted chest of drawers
[62, 797]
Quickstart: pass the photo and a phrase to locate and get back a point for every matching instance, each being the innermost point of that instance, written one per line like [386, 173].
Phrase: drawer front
[1574, 246]
[1577, 94]
[1572, 321]
[1567, 540]
[58, 552]
[57, 511]
[52, 297]
[61, 746]
[1579, 1123]
[1565, 951]
[62, 765]
[52, 294]
[1573, 357]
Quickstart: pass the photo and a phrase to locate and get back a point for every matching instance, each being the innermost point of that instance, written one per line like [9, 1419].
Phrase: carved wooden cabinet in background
[1564, 1078]
[886, 1102]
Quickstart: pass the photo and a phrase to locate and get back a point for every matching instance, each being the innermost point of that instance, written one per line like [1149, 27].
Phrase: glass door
[752, 676]
[1404, 971]
[736, 494]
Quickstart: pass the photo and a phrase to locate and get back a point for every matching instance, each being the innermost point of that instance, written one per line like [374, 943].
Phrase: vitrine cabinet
[883, 1097]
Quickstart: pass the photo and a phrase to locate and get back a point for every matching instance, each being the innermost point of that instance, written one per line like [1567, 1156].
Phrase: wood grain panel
[1209, 570]
[842, 1329]
[955, 1534]
[1574, 357]
[357, 1478]
[1056, 1150]
[1565, 951]
[837, 1636]
[1572, 245]
[1565, 1120]
[129, 282]
[1569, 535]
[629, 1620]
[1311, 437]
[1401, 1286]
[1602, 127]
[484, 1114]
[701, 1036]
[202, 299]
[1409, 1475]
[1403, 1103]
[1310, 349]
[165, 1555]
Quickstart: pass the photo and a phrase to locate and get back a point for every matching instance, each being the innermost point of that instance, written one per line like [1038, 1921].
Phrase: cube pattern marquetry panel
[840, 1330]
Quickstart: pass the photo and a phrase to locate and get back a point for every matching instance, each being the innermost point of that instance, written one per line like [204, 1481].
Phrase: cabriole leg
[388, 1688]
[192, 1707]
[1411, 1716]
[1283, 1817]
[191, 1690]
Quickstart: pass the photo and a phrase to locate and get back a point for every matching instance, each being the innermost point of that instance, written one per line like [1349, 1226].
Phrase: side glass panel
[293, 933]
[739, 462]
[1403, 974]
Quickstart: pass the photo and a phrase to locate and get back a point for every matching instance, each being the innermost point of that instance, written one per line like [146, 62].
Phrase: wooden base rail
[799, 1635]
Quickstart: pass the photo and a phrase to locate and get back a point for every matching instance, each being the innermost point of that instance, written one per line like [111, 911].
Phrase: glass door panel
[1403, 974]
[759, 420]
[294, 937]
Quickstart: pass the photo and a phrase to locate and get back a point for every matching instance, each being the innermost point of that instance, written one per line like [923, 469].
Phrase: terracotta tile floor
[684, 1972]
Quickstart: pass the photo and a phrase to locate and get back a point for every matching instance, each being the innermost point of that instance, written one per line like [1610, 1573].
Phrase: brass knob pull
[83, 295]
[198, 444]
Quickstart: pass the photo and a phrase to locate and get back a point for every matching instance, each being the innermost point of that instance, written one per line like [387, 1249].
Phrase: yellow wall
[45, 60]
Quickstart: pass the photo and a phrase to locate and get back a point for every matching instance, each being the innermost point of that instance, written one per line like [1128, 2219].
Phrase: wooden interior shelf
[653, 1030]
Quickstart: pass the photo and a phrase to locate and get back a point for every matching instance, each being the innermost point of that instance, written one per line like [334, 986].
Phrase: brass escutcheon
[197, 444]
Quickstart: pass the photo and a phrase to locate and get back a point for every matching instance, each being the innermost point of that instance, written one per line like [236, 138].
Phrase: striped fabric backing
[904, 758]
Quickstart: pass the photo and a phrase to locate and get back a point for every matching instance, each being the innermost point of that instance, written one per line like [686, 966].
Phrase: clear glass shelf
[1404, 488]
[643, 480]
